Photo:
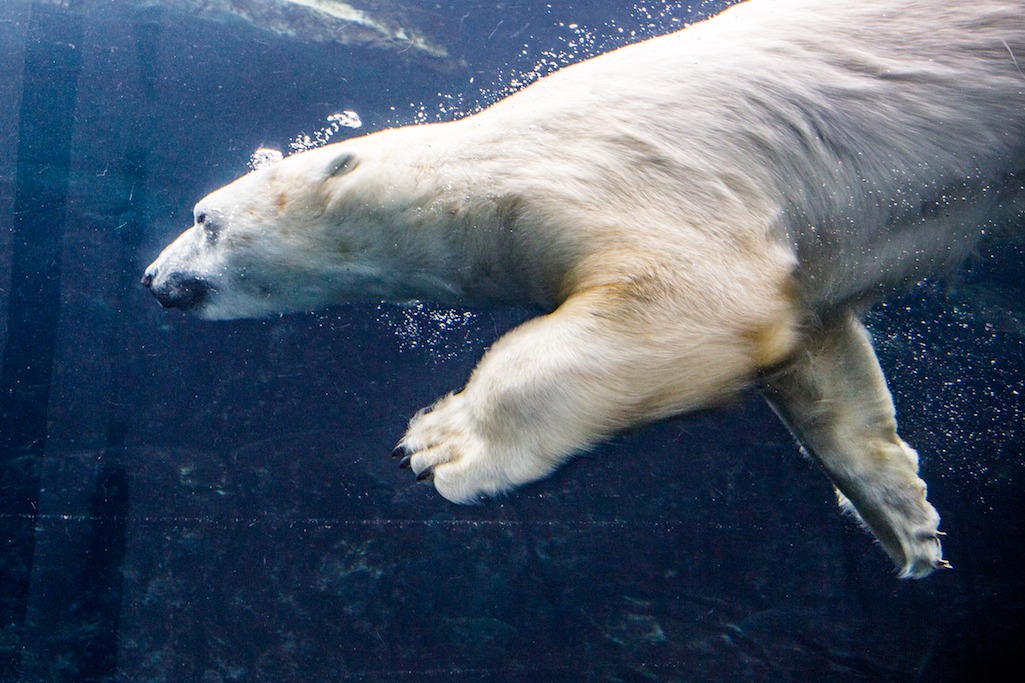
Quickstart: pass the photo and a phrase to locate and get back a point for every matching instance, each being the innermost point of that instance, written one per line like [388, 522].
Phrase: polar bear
[692, 215]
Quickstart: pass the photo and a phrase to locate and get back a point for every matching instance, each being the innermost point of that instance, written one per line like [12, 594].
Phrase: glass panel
[214, 501]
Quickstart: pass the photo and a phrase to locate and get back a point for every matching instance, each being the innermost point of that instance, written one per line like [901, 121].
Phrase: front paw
[442, 446]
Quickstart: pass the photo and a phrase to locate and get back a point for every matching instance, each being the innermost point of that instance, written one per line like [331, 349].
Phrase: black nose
[178, 290]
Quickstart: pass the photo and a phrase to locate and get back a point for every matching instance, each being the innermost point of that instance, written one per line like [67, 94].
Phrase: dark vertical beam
[49, 94]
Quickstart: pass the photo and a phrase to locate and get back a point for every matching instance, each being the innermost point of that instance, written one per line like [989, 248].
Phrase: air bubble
[445, 333]
[345, 119]
[264, 157]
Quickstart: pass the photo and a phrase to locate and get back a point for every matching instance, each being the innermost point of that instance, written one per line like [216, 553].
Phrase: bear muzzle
[178, 290]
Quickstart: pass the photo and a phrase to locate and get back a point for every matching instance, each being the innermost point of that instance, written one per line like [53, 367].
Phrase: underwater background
[191, 501]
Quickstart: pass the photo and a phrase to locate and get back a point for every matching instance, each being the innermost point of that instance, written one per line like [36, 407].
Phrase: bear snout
[177, 290]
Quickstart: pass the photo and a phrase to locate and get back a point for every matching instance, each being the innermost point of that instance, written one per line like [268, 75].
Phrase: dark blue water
[189, 501]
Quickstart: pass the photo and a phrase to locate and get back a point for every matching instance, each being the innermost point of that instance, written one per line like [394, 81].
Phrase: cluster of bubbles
[578, 43]
[647, 20]
[421, 326]
[954, 379]
[335, 122]
[265, 156]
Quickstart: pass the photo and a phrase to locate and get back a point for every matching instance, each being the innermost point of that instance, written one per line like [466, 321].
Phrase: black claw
[426, 474]
[404, 463]
[399, 451]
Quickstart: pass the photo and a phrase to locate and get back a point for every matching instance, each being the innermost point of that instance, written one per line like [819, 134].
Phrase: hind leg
[834, 398]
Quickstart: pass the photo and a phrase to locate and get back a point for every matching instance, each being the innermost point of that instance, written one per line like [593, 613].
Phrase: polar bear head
[330, 225]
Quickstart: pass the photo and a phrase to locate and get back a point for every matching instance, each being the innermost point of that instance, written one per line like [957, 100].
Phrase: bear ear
[340, 165]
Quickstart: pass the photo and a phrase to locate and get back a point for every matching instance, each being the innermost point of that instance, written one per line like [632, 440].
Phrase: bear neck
[467, 239]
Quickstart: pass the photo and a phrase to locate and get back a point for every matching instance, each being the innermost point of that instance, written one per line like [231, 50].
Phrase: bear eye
[209, 226]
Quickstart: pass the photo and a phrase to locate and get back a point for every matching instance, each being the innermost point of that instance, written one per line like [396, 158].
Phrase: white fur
[696, 213]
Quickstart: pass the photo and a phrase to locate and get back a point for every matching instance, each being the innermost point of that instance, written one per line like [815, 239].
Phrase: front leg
[608, 358]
